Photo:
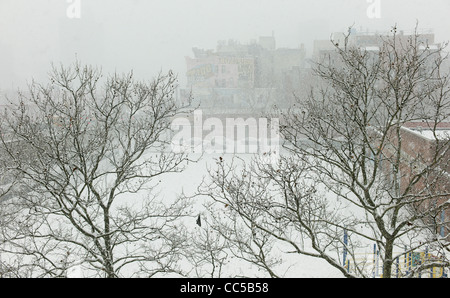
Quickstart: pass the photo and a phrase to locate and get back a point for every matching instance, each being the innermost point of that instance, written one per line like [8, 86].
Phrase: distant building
[241, 76]
[419, 146]
[371, 41]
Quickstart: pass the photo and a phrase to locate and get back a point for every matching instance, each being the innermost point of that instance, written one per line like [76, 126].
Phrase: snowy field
[170, 186]
[293, 265]
[186, 182]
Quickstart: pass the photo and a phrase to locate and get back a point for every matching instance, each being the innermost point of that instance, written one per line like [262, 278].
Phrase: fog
[240, 76]
[149, 36]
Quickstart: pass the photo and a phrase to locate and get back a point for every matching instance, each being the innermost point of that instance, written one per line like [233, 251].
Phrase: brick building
[423, 147]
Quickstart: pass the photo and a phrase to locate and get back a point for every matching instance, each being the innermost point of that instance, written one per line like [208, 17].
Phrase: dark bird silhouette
[199, 221]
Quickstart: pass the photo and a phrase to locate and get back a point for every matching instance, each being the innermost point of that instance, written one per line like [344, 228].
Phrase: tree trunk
[109, 264]
[387, 263]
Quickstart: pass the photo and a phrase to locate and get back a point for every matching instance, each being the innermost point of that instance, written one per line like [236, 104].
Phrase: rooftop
[427, 130]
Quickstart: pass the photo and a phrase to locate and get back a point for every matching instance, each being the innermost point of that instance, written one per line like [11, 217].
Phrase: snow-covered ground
[186, 182]
[170, 186]
[293, 265]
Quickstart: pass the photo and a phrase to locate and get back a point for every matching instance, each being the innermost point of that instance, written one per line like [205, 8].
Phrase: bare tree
[345, 180]
[7, 176]
[206, 254]
[232, 219]
[89, 151]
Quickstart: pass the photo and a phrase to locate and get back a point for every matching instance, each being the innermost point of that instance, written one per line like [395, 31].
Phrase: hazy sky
[152, 35]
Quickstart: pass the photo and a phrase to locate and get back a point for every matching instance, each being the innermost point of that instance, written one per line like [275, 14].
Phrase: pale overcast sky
[152, 35]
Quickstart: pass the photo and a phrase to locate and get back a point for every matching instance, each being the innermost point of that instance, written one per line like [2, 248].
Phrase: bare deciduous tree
[89, 151]
[345, 173]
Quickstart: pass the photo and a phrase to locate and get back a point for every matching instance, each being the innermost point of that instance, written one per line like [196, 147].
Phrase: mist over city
[148, 36]
[224, 139]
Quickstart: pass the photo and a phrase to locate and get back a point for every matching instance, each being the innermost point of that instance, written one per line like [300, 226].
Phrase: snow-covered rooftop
[428, 131]
[438, 134]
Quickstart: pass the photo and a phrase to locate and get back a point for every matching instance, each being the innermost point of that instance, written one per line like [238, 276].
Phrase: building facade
[424, 170]
[244, 77]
